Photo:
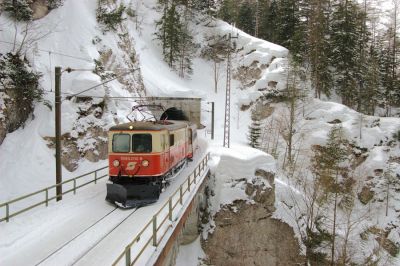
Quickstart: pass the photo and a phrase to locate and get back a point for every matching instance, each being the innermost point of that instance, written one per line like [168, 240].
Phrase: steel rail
[78, 235]
[103, 237]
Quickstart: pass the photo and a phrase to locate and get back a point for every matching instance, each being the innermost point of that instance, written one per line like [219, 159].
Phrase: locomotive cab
[137, 154]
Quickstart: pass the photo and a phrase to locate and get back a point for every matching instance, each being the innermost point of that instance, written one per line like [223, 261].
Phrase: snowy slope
[74, 39]
[71, 30]
[27, 164]
[371, 141]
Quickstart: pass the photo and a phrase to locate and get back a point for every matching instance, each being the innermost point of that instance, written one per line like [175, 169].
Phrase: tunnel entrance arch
[178, 108]
[173, 113]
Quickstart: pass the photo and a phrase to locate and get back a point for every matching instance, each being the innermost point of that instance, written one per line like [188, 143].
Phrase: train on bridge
[144, 156]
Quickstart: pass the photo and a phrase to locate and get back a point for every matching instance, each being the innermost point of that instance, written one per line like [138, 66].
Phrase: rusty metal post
[170, 209]
[155, 230]
[7, 213]
[212, 120]
[58, 132]
[180, 195]
[128, 256]
[47, 197]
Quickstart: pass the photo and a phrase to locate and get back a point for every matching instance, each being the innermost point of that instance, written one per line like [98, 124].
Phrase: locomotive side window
[120, 143]
[142, 143]
[171, 140]
[163, 142]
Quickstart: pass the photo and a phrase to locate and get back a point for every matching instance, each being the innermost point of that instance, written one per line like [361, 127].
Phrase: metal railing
[160, 225]
[46, 191]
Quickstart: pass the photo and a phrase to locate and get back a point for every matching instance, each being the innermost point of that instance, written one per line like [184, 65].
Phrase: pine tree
[370, 94]
[186, 46]
[269, 21]
[18, 9]
[246, 18]
[328, 166]
[387, 93]
[319, 47]
[228, 11]
[346, 40]
[288, 25]
[170, 29]
[176, 40]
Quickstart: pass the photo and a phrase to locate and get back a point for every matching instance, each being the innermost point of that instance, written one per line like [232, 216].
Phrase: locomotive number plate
[133, 158]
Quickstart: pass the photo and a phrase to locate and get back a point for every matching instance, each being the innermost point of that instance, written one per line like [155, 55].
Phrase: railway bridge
[104, 234]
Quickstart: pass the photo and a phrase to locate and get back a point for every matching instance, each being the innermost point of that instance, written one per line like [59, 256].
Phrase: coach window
[142, 143]
[120, 143]
[171, 140]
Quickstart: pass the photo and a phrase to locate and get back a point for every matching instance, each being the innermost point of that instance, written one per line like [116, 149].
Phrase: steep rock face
[10, 119]
[93, 146]
[39, 8]
[245, 233]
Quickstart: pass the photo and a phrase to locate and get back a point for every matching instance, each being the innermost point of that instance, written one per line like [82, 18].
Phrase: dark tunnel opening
[174, 113]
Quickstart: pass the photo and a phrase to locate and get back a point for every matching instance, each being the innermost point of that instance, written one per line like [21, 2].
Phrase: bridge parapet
[154, 242]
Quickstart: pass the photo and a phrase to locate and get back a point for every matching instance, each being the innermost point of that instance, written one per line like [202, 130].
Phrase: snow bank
[233, 168]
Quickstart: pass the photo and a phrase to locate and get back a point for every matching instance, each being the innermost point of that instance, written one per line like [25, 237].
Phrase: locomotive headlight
[116, 163]
[145, 163]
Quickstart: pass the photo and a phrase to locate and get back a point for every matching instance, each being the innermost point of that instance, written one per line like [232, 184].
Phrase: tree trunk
[334, 222]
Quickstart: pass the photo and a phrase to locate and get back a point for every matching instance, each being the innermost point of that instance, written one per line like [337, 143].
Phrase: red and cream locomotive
[143, 156]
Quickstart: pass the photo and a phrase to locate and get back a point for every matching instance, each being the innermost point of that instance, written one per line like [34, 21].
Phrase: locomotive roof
[148, 125]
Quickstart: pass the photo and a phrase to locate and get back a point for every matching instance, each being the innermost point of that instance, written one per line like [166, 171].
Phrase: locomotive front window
[142, 143]
[121, 143]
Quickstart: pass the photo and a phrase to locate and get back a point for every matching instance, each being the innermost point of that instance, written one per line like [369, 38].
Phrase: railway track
[100, 236]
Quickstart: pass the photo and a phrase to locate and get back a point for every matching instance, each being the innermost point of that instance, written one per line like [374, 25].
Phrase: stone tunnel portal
[177, 108]
[174, 113]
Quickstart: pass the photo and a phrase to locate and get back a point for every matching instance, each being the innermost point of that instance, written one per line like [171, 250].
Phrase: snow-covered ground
[41, 234]
[73, 31]
[72, 40]
[373, 151]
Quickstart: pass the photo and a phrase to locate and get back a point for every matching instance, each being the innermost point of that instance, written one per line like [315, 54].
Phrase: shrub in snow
[18, 9]
[21, 84]
[109, 18]
[52, 4]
